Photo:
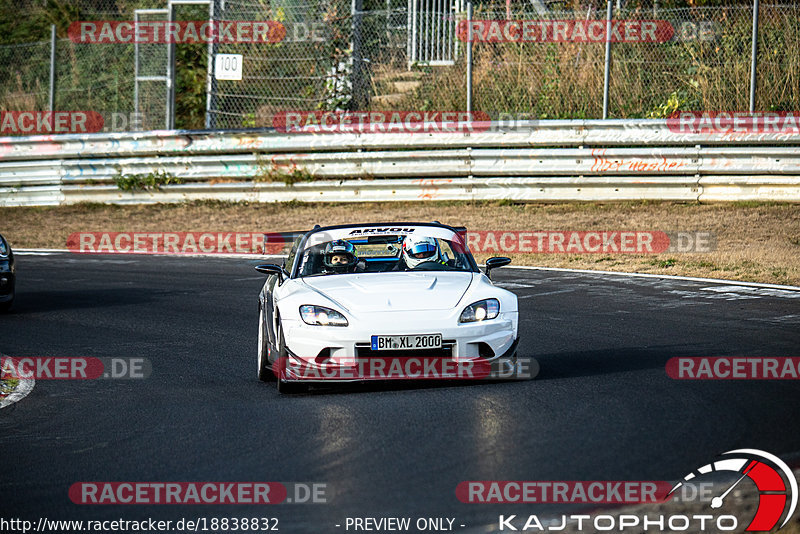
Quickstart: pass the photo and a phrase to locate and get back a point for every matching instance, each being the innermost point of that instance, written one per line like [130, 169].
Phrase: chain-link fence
[94, 78]
[24, 76]
[698, 59]
[298, 73]
[411, 55]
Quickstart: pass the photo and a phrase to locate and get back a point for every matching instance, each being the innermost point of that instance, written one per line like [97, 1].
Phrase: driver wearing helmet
[340, 257]
[417, 250]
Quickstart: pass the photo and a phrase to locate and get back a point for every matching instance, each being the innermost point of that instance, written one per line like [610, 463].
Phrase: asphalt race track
[602, 407]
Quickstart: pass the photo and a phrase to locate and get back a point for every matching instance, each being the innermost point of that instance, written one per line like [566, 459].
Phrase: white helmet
[418, 249]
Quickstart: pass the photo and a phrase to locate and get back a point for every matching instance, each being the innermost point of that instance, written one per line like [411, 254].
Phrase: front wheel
[265, 373]
[5, 306]
[285, 386]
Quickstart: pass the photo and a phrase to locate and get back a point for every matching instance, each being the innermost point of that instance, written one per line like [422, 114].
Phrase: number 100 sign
[228, 67]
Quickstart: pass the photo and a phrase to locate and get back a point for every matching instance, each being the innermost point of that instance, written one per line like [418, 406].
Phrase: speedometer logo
[775, 482]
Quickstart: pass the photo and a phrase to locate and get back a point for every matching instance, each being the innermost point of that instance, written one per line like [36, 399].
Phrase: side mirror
[272, 269]
[495, 262]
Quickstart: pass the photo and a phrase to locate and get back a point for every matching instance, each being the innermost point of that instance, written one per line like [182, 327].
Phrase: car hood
[403, 291]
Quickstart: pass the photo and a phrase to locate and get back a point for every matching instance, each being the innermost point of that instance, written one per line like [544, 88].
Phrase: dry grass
[565, 80]
[755, 242]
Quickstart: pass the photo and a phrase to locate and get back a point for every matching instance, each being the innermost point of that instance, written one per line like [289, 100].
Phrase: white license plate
[412, 342]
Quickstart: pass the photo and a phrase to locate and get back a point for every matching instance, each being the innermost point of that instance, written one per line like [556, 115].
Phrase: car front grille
[364, 350]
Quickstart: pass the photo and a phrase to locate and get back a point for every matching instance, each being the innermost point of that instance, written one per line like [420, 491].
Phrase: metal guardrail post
[753, 58]
[469, 56]
[51, 103]
[607, 74]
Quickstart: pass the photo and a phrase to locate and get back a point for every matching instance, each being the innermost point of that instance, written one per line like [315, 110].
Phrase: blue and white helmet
[418, 249]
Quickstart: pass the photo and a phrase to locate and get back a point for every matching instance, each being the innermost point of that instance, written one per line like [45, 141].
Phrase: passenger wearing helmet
[340, 257]
[418, 250]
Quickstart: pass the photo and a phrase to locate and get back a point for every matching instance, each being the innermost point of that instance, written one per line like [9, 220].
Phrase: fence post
[607, 74]
[170, 72]
[136, 67]
[469, 56]
[359, 91]
[211, 80]
[753, 58]
[51, 104]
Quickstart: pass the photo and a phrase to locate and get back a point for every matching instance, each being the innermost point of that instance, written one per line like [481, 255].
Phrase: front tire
[285, 386]
[265, 373]
[5, 306]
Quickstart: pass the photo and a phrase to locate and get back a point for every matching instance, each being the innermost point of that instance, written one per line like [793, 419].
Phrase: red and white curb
[24, 386]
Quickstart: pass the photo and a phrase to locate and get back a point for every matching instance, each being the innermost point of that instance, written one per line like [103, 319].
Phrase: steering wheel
[431, 266]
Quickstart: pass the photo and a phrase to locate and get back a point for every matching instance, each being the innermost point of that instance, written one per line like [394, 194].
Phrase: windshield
[385, 253]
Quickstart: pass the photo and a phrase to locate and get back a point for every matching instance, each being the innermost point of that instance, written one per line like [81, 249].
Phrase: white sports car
[407, 292]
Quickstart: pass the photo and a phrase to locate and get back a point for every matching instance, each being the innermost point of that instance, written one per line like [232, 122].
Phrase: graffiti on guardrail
[605, 163]
[515, 164]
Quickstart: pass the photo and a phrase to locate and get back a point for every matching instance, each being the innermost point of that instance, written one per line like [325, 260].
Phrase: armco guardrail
[549, 160]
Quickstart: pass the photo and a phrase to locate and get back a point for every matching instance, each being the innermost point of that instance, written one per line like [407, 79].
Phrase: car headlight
[480, 311]
[321, 316]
